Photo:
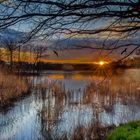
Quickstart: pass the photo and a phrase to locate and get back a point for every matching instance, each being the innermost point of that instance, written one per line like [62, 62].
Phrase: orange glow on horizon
[101, 63]
[26, 56]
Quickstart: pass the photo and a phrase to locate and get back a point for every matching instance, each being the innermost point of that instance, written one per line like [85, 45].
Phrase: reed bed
[101, 97]
[11, 87]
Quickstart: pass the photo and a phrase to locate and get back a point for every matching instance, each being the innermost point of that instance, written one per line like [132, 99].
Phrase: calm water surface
[72, 105]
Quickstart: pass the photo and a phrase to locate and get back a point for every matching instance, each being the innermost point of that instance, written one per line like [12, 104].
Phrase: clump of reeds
[11, 87]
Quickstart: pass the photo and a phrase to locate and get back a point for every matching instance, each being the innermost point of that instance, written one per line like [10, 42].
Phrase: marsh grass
[99, 96]
[56, 99]
[11, 87]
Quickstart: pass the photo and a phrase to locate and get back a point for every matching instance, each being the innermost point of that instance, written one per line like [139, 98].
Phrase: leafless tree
[120, 18]
[1, 54]
[39, 52]
[11, 46]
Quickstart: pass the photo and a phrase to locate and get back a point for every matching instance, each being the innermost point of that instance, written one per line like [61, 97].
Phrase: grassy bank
[130, 131]
[11, 87]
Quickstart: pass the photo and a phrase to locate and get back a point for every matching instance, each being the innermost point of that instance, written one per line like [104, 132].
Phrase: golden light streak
[101, 63]
[26, 56]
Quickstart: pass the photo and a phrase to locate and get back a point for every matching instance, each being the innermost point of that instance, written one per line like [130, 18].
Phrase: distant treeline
[39, 66]
[24, 66]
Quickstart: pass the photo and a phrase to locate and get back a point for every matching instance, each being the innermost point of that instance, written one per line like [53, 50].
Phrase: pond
[73, 105]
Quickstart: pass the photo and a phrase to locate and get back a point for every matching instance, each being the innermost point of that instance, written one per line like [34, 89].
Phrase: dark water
[73, 105]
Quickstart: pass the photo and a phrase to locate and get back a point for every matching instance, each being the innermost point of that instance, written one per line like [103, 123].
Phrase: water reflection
[73, 106]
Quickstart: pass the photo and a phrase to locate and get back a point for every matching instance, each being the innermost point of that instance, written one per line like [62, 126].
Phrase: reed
[11, 87]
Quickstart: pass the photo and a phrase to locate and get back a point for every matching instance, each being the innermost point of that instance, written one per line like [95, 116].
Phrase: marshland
[69, 69]
[11, 87]
[71, 105]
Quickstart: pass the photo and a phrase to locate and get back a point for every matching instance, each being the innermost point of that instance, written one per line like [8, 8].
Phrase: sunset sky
[73, 47]
[77, 49]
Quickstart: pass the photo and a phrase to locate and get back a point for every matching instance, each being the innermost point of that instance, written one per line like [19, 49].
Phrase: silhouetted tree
[11, 46]
[75, 17]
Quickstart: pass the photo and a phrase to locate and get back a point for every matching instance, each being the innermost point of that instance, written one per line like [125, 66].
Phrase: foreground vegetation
[11, 87]
[130, 131]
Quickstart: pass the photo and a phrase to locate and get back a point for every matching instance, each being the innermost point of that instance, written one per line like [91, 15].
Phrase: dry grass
[11, 87]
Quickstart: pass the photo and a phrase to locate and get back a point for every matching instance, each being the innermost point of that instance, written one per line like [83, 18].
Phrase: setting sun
[101, 63]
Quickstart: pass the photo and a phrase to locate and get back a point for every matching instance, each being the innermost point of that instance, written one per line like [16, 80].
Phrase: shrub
[130, 131]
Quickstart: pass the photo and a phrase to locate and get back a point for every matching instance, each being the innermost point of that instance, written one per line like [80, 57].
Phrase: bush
[130, 131]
